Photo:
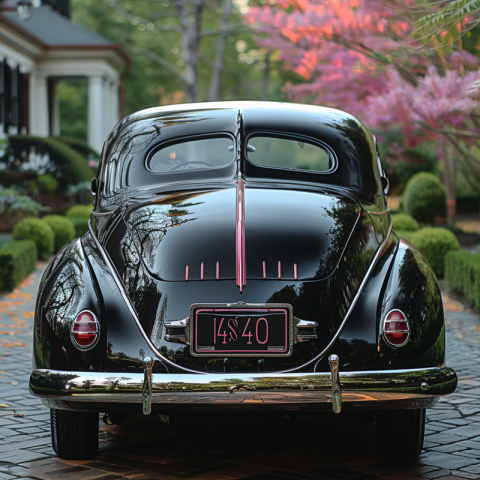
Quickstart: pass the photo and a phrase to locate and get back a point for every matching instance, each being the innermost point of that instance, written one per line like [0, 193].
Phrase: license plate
[245, 330]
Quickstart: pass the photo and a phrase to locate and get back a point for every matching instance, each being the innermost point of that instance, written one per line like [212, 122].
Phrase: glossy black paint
[332, 226]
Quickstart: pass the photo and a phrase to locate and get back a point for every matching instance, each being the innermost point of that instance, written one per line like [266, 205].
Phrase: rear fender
[413, 288]
[66, 288]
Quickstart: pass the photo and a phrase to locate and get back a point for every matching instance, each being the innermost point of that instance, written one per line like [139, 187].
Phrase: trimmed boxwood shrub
[17, 260]
[79, 211]
[81, 226]
[462, 275]
[45, 183]
[38, 231]
[425, 197]
[406, 235]
[404, 222]
[434, 243]
[63, 229]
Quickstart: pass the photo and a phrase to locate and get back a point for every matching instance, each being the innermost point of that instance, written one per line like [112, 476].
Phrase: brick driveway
[325, 447]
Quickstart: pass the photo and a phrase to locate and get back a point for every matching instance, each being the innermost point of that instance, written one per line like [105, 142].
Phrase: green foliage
[433, 244]
[442, 26]
[402, 221]
[406, 235]
[425, 197]
[63, 229]
[80, 146]
[38, 231]
[45, 183]
[65, 163]
[11, 203]
[17, 260]
[79, 211]
[462, 275]
[80, 224]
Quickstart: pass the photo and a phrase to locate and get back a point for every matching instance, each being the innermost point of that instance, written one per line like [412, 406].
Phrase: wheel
[74, 434]
[400, 434]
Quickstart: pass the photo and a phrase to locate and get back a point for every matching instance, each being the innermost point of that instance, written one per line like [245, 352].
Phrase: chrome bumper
[359, 390]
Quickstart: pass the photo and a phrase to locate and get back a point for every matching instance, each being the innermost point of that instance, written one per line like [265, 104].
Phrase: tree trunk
[220, 54]
[190, 46]
[266, 77]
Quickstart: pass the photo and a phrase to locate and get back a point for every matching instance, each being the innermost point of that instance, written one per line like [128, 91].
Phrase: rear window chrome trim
[292, 136]
[189, 138]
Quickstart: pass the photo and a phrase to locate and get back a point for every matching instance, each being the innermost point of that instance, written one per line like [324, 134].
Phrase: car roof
[141, 132]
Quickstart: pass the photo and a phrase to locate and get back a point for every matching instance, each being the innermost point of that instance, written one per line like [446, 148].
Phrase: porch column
[96, 105]
[39, 106]
[115, 106]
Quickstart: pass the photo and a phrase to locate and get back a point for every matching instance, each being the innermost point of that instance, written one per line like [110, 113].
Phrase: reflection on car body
[240, 257]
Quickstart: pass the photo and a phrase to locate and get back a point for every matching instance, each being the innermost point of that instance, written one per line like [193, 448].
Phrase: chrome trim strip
[352, 305]
[240, 236]
[102, 214]
[126, 387]
[119, 285]
[383, 212]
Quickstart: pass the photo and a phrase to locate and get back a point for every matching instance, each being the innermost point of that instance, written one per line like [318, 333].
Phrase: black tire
[400, 434]
[74, 434]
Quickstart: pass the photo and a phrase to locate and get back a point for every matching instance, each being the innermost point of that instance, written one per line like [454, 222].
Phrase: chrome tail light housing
[85, 330]
[396, 328]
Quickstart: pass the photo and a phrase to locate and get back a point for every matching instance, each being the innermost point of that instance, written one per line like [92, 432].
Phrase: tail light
[396, 329]
[85, 330]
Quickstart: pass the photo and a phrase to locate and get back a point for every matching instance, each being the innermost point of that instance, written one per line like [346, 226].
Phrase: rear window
[198, 154]
[288, 153]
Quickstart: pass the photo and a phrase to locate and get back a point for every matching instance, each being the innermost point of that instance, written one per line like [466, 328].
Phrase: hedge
[79, 211]
[425, 197]
[66, 163]
[433, 244]
[404, 222]
[38, 231]
[17, 260]
[81, 226]
[462, 275]
[63, 229]
[80, 146]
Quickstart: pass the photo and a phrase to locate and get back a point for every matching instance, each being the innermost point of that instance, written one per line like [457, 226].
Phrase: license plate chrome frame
[242, 306]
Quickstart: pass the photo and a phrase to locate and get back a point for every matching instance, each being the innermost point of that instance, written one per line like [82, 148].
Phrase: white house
[34, 54]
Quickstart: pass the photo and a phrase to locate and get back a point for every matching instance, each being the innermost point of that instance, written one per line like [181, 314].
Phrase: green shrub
[404, 222]
[11, 203]
[434, 243]
[425, 197]
[38, 231]
[68, 164]
[79, 211]
[81, 225]
[462, 275]
[63, 229]
[45, 183]
[17, 260]
[406, 235]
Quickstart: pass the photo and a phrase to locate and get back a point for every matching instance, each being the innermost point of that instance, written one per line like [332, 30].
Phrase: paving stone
[446, 460]
[436, 474]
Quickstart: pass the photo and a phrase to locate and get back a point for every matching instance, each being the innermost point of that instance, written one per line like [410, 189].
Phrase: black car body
[240, 257]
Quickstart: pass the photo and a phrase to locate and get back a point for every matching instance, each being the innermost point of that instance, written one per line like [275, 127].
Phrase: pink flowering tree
[358, 55]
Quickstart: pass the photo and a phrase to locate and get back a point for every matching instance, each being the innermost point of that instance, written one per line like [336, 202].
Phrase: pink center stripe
[240, 236]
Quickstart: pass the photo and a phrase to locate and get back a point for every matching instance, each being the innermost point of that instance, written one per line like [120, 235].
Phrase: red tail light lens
[396, 329]
[85, 330]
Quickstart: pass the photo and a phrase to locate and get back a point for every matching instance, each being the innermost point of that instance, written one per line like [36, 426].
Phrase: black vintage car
[240, 258]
